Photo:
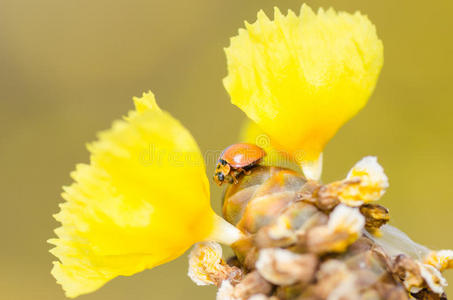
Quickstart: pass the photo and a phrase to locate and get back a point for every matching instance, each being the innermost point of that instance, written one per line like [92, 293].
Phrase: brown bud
[426, 294]
[335, 280]
[407, 271]
[321, 240]
[312, 220]
[309, 191]
[324, 197]
[274, 236]
[375, 216]
[389, 289]
[252, 284]
[343, 228]
[283, 267]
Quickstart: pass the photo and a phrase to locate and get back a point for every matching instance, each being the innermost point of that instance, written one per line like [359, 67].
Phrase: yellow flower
[300, 78]
[250, 132]
[142, 201]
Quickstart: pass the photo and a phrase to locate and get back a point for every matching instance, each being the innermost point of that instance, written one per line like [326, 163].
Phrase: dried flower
[284, 267]
[366, 182]
[416, 275]
[408, 270]
[433, 278]
[323, 197]
[253, 205]
[336, 281]
[225, 291]
[253, 284]
[310, 72]
[206, 265]
[343, 228]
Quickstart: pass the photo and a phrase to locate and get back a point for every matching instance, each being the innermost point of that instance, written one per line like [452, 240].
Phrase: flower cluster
[302, 242]
[298, 78]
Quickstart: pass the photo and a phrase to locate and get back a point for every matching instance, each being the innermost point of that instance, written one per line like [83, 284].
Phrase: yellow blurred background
[69, 68]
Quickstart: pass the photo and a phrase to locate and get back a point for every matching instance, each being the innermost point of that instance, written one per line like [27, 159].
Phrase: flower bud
[206, 265]
[284, 267]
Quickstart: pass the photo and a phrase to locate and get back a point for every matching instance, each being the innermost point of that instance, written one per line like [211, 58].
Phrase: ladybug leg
[235, 179]
[245, 171]
[233, 176]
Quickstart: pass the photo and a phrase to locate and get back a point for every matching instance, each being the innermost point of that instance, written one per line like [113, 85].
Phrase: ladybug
[235, 160]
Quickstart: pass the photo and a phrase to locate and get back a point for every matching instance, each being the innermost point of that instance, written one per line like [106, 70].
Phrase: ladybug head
[219, 178]
[221, 172]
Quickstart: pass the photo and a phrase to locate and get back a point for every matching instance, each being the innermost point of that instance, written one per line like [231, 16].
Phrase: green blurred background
[69, 68]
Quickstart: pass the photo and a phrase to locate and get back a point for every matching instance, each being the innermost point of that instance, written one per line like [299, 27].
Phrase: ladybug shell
[242, 155]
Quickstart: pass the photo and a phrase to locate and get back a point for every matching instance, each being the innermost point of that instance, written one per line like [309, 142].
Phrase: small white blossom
[225, 291]
[205, 260]
[366, 182]
[441, 260]
[433, 278]
[346, 219]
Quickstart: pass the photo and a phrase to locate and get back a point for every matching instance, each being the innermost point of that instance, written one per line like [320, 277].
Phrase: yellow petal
[300, 78]
[143, 200]
[251, 133]
[145, 103]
